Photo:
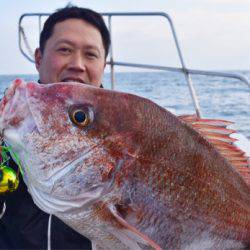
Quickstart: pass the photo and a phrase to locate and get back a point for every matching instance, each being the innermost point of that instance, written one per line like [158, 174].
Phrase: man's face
[74, 52]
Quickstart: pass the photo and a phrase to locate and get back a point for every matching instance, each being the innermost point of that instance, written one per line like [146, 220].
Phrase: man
[74, 45]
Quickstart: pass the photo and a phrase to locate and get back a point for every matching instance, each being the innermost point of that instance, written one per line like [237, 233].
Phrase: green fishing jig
[9, 178]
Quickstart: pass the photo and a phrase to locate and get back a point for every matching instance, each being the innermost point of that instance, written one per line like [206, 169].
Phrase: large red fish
[125, 172]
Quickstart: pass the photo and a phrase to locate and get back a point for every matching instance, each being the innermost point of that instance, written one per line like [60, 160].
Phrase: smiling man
[74, 45]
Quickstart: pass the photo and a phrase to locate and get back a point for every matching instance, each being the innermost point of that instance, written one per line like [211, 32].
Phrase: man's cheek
[56, 61]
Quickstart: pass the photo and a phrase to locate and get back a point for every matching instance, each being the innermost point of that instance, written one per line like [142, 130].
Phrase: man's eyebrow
[64, 41]
[90, 46]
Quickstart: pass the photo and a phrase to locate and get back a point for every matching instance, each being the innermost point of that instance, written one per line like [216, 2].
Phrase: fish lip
[10, 92]
[7, 99]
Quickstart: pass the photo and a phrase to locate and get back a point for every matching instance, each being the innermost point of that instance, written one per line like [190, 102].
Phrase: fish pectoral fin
[131, 231]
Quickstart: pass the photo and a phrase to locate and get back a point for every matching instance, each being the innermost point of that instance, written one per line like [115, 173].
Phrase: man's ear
[38, 58]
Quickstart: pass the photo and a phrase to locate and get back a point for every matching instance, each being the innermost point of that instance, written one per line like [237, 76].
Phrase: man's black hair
[68, 12]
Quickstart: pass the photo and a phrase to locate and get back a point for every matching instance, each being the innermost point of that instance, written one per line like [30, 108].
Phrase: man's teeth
[73, 80]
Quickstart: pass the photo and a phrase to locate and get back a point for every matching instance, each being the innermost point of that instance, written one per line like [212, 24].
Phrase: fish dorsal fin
[217, 133]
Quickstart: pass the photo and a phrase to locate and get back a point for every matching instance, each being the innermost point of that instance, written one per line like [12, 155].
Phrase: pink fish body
[125, 172]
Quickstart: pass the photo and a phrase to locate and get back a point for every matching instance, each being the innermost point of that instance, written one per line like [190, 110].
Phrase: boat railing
[183, 69]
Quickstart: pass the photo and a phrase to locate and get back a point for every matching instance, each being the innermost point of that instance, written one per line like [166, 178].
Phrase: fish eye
[80, 116]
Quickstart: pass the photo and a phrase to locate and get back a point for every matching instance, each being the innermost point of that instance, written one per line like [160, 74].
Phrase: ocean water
[220, 98]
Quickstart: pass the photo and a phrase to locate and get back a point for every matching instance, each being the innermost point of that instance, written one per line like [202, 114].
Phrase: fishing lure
[9, 178]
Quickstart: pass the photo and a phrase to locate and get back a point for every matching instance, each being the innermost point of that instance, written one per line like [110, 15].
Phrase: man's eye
[65, 50]
[91, 55]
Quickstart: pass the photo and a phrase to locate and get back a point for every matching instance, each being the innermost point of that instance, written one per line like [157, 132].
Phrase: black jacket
[24, 225]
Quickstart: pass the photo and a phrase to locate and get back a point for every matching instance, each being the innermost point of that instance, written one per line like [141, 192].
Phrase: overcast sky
[214, 34]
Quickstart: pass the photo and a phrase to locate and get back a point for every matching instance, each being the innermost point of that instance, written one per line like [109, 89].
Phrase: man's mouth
[79, 80]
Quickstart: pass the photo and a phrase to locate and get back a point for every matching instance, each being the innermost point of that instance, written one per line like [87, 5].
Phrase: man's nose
[77, 62]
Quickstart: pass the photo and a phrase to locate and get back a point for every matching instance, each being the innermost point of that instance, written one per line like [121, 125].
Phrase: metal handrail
[20, 31]
[190, 71]
[187, 72]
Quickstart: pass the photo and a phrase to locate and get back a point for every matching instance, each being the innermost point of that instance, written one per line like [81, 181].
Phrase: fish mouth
[8, 101]
[10, 93]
